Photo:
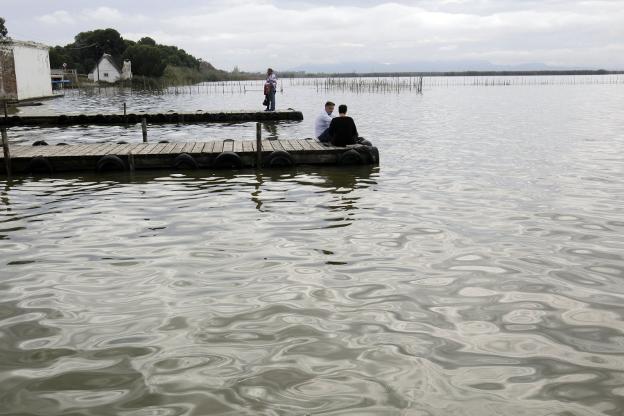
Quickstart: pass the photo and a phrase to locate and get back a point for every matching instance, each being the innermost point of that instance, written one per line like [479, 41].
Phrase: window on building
[105, 74]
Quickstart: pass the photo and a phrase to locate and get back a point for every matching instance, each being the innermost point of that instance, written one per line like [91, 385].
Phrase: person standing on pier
[342, 129]
[270, 88]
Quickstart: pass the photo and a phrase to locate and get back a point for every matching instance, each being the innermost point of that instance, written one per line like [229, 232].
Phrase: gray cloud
[256, 33]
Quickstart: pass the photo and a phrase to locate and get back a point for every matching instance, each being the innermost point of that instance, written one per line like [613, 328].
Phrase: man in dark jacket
[342, 129]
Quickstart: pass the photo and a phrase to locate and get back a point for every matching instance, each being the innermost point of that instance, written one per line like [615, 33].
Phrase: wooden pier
[226, 154]
[160, 118]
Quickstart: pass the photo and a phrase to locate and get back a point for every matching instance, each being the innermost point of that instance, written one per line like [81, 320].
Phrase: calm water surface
[479, 270]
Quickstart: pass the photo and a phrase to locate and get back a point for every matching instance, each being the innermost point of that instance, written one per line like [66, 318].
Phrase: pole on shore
[258, 145]
[5, 149]
[144, 128]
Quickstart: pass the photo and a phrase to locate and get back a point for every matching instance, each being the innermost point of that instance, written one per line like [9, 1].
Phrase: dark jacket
[342, 131]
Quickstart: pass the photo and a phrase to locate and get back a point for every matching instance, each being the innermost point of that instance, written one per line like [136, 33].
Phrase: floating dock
[226, 154]
[160, 118]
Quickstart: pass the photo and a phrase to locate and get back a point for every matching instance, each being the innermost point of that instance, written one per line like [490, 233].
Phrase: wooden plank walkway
[226, 154]
[160, 118]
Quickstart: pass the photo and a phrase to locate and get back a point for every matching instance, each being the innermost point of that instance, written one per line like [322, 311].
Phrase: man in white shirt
[321, 124]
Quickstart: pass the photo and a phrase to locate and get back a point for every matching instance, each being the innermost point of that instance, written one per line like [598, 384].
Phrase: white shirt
[272, 79]
[322, 123]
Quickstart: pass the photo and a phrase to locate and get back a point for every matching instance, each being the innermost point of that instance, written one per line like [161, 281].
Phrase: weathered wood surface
[207, 155]
[161, 118]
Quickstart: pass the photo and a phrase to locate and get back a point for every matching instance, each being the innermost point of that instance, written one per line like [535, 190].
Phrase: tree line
[148, 57]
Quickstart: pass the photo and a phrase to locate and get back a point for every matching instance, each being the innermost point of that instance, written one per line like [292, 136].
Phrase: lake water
[479, 270]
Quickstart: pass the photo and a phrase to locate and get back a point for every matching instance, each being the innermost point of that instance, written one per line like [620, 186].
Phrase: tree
[147, 41]
[91, 45]
[146, 60]
[3, 29]
[59, 56]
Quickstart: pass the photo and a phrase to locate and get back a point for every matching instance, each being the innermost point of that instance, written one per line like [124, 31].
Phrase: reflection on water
[477, 271]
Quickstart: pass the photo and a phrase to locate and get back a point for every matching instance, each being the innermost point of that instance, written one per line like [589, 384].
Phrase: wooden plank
[197, 148]
[141, 149]
[208, 147]
[188, 147]
[218, 147]
[132, 147]
[149, 148]
[71, 149]
[248, 146]
[178, 148]
[17, 151]
[107, 148]
[238, 146]
[316, 145]
[42, 150]
[267, 146]
[123, 149]
[27, 151]
[305, 144]
[118, 150]
[277, 145]
[102, 149]
[158, 148]
[50, 151]
[168, 149]
[287, 145]
[79, 150]
[92, 150]
[295, 144]
[228, 145]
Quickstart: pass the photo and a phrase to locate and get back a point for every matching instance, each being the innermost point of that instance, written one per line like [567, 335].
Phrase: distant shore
[288, 74]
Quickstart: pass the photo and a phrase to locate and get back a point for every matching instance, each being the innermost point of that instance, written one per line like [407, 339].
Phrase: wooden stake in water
[6, 110]
[258, 145]
[5, 148]
[144, 128]
[125, 109]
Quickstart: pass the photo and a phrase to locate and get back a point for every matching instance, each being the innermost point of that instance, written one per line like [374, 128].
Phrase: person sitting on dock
[342, 129]
[271, 89]
[321, 124]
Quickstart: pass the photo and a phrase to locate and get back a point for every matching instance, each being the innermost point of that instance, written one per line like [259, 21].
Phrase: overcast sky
[254, 34]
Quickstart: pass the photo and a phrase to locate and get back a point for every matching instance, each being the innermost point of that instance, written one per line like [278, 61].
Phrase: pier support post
[5, 149]
[258, 145]
[131, 162]
[144, 128]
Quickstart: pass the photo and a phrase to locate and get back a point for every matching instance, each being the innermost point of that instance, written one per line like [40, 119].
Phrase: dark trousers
[325, 137]
[271, 99]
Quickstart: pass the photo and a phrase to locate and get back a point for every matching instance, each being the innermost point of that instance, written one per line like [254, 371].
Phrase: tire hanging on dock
[350, 157]
[110, 163]
[40, 143]
[279, 159]
[185, 161]
[228, 160]
[39, 165]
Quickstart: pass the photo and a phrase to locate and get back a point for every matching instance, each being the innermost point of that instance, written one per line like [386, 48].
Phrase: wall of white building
[32, 70]
[108, 73]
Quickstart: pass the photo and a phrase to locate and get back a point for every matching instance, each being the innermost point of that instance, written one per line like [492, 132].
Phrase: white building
[24, 71]
[106, 70]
